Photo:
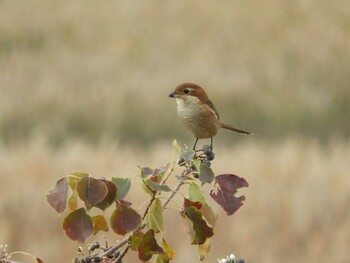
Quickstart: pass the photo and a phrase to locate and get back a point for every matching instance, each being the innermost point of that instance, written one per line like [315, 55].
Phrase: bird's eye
[187, 91]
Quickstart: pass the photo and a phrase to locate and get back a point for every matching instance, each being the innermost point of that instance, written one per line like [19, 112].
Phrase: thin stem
[118, 259]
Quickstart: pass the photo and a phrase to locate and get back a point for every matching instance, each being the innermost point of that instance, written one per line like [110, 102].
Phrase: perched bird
[198, 113]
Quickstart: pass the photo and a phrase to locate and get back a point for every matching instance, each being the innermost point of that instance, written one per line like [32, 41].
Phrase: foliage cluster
[143, 232]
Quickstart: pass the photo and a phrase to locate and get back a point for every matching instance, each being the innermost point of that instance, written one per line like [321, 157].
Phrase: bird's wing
[212, 108]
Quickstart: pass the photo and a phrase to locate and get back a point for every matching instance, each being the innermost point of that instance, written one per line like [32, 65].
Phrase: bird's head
[189, 92]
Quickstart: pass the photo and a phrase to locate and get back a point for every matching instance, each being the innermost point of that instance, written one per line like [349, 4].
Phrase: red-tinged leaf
[78, 225]
[227, 201]
[57, 196]
[124, 219]
[159, 172]
[154, 218]
[200, 226]
[123, 187]
[196, 194]
[135, 239]
[189, 203]
[230, 182]
[225, 193]
[124, 202]
[74, 178]
[110, 197]
[92, 191]
[204, 250]
[148, 246]
[99, 224]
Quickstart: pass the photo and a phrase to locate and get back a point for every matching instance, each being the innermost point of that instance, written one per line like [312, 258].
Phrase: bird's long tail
[226, 126]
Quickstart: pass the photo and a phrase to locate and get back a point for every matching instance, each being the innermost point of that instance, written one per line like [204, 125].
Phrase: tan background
[84, 87]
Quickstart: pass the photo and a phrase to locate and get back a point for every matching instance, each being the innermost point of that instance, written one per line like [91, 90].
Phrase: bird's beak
[173, 95]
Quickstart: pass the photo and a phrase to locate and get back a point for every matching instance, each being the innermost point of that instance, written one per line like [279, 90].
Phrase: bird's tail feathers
[226, 126]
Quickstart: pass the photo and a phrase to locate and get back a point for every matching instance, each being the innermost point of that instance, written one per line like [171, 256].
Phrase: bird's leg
[195, 143]
[211, 143]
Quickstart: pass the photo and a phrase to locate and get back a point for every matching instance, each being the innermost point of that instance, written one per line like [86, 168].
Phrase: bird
[198, 113]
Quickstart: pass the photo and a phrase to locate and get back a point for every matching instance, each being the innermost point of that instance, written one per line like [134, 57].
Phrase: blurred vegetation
[77, 70]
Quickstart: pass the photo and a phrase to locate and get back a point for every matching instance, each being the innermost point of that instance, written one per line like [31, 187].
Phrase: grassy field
[84, 86]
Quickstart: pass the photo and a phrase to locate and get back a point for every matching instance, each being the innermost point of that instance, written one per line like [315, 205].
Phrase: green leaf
[196, 194]
[200, 226]
[154, 218]
[135, 239]
[123, 187]
[92, 191]
[158, 187]
[176, 146]
[188, 155]
[73, 201]
[124, 219]
[78, 225]
[209, 214]
[148, 246]
[110, 197]
[170, 253]
[99, 224]
[206, 174]
[57, 196]
[146, 172]
[74, 178]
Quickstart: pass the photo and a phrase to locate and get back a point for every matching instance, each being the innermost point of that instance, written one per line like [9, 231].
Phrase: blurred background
[84, 87]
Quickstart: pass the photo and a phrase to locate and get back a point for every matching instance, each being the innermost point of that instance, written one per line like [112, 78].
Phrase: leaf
[204, 250]
[225, 193]
[206, 174]
[57, 196]
[176, 146]
[73, 201]
[110, 197]
[170, 253]
[135, 239]
[74, 178]
[92, 191]
[196, 194]
[99, 224]
[189, 203]
[158, 187]
[209, 214]
[200, 226]
[146, 172]
[124, 219]
[78, 225]
[188, 155]
[159, 172]
[148, 246]
[154, 218]
[123, 186]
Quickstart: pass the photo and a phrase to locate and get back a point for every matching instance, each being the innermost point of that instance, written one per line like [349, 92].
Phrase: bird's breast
[197, 118]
